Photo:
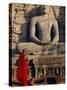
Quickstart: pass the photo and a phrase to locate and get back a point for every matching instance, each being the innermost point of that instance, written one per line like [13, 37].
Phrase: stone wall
[20, 17]
[19, 25]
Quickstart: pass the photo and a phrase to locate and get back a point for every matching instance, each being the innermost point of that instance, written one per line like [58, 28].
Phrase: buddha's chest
[44, 26]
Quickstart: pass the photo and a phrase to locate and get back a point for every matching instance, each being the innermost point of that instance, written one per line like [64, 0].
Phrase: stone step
[42, 54]
[43, 59]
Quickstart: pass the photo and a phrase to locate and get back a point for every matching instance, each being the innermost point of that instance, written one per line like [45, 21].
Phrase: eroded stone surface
[19, 15]
[49, 56]
[39, 49]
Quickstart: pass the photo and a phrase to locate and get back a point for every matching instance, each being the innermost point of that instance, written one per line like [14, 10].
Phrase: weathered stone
[17, 29]
[15, 38]
[13, 45]
[40, 49]
[19, 12]
[20, 20]
[44, 59]
[44, 24]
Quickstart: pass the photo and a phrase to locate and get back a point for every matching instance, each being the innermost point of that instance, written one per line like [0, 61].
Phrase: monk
[22, 69]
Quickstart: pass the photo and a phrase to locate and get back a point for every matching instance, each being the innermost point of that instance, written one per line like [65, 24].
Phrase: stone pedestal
[41, 49]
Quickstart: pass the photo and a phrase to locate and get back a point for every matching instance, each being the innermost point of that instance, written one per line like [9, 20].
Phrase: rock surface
[20, 15]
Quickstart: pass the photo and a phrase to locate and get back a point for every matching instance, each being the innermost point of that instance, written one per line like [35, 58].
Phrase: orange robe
[22, 70]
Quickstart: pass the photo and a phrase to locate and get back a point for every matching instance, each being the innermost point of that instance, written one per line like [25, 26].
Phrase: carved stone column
[44, 67]
[36, 71]
[14, 73]
[61, 71]
[53, 70]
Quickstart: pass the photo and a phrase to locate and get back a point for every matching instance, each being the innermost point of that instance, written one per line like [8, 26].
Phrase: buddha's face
[45, 9]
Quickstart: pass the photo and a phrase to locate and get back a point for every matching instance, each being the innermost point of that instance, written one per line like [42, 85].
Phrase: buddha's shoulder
[36, 18]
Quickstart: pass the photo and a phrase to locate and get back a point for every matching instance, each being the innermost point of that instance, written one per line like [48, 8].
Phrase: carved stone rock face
[41, 27]
[45, 30]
